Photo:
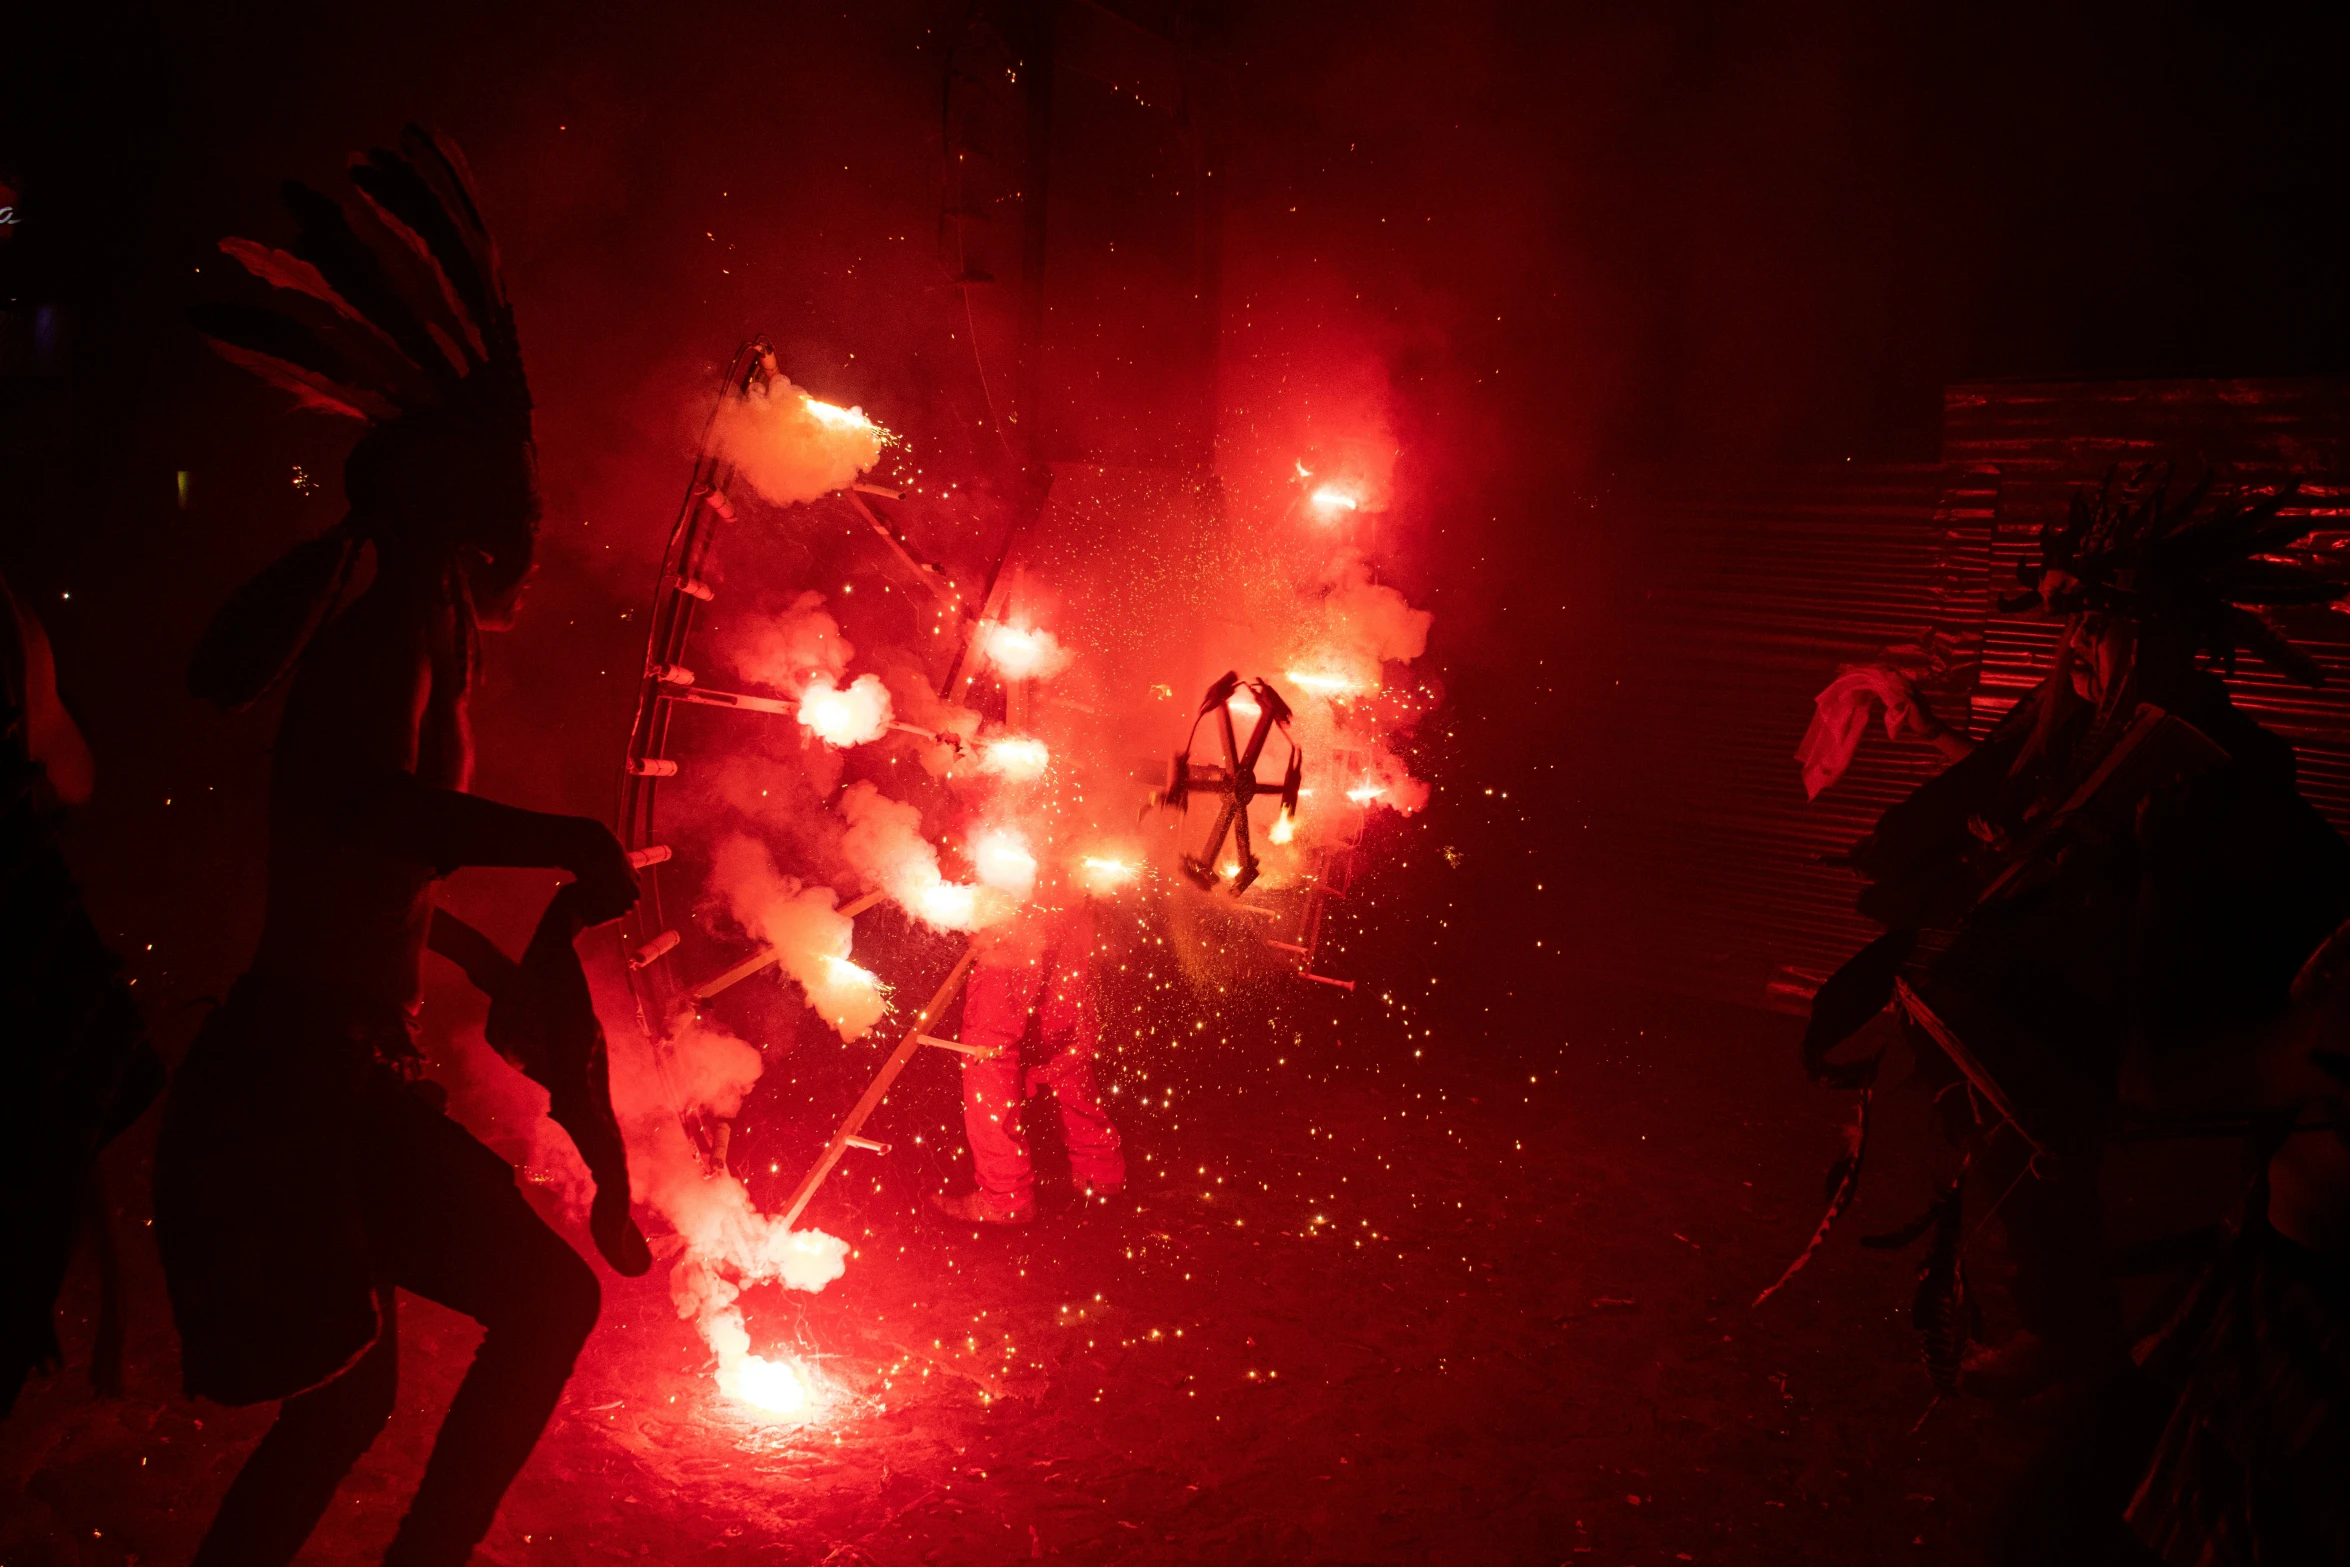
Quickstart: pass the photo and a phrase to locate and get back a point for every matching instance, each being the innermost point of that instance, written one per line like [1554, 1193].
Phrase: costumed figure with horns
[305, 1170]
[2114, 887]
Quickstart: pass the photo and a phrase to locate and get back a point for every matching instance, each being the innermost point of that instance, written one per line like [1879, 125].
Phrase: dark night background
[1597, 247]
[1603, 252]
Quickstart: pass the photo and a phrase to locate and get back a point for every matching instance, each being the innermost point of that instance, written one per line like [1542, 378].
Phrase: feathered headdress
[391, 311]
[2205, 583]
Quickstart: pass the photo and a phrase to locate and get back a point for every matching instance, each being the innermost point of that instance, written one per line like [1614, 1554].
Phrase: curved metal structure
[677, 593]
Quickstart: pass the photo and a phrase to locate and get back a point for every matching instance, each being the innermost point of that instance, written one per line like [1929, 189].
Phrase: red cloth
[1049, 976]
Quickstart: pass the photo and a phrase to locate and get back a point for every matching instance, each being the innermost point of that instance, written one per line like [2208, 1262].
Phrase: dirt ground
[1444, 1292]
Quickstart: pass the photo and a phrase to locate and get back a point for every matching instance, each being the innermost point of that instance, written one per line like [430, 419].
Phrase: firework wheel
[647, 935]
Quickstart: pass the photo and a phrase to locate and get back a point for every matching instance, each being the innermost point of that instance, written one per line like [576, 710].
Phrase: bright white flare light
[1103, 873]
[1365, 793]
[1003, 862]
[1322, 685]
[1021, 652]
[840, 971]
[833, 416]
[771, 1386]
[843, 716]
[1331, 498]
[948, 905]
[1284, 828]
[1014, 757]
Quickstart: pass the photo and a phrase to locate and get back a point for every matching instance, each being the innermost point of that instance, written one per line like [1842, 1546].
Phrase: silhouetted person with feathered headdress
[305, 1168]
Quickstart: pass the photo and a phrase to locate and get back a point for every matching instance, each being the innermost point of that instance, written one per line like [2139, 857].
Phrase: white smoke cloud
[883, 842]
[787, 651]
[811, 939]
[791, 447]
[729, 1244]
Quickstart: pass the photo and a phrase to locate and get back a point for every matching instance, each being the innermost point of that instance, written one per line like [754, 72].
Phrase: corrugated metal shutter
[1770, 589]
[1718, 858]
[2046, 438]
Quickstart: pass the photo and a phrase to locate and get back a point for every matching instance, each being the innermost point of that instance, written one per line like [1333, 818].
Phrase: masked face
[2101, 646]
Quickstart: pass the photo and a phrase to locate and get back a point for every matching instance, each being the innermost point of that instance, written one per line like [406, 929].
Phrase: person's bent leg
[445, 1214]
[995, 1015]
[1072, 1032]
[287, 1482]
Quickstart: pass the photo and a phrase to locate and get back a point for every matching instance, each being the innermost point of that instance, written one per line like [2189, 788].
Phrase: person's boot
[983, 1207]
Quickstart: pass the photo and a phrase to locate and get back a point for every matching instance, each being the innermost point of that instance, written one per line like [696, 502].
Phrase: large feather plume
[2129, 547]
[389, 309]
[386, 306]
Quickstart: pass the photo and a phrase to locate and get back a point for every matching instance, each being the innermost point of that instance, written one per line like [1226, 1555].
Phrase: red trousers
[1055, 985]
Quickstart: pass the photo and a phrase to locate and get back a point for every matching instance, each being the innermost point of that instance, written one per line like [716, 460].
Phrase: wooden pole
[842, 1139]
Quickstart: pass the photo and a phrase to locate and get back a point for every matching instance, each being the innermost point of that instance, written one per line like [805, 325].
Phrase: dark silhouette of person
[75, 1065]
[2120, 881]
[306, 1169]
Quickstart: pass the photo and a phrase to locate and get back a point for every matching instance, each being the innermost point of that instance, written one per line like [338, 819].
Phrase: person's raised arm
[347, 758]
[483, 961]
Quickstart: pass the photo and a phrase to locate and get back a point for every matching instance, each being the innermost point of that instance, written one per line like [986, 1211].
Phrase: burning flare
[771, 1386]
[1323, 684]
[1021, 652]
[1014, 758]
[790, 447]
[1103, 872]
[856, 715]
[1001, 857]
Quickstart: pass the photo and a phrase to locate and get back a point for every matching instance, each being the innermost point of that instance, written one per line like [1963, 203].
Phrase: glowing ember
[1022, 652]
[1014, 757]
[768, 1385]
[844, 717]
[1331, 498]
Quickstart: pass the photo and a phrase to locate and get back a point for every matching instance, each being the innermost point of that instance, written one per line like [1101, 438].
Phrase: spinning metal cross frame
[1236, 780]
